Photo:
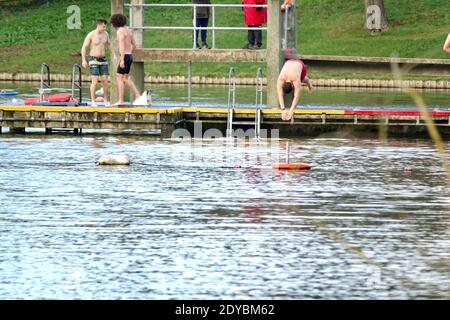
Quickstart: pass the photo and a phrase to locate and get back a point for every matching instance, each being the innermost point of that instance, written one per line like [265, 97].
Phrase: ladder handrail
[259, 88]
[232, 88]
[286, 27]
[43, 83]
[259, 98]
[78, 85]
[231, 100]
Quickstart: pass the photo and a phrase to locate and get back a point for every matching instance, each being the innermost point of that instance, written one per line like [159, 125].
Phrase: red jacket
[254, 16]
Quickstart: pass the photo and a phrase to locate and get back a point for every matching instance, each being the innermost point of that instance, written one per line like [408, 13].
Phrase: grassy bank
[32, 32]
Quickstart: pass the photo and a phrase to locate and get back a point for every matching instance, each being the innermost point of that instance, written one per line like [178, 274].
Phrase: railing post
[274, 51]
[116, 7]
[285, 28]
[214, 26]
[190, 84]
[194, 22]
[292, 26]
[137, 21]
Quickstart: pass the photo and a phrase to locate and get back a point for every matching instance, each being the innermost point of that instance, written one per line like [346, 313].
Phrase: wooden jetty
[167, 120]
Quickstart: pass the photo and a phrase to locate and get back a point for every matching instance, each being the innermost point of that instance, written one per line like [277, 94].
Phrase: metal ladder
[76, 82]
[232, 104]
[259, 102]
[231, 100]
[45, 86]
[77, 85]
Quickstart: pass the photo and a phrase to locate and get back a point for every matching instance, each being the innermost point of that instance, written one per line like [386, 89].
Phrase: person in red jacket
[254, 18]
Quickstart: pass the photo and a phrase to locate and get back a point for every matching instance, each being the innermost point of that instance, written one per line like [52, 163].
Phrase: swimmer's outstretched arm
[280, 83]
[297, 91]
[447, 44]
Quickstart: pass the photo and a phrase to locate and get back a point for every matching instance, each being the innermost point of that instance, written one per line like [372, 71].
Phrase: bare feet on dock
[118, 103]
[93, 105]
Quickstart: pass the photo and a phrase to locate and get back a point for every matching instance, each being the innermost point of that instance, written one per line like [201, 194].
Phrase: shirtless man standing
[447, 44]
[127, 44]
[97, 62]
[292, 75]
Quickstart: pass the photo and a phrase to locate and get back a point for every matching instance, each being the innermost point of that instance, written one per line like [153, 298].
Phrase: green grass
[32, 32]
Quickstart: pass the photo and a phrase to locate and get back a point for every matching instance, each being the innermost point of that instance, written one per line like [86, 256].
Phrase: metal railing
[259, 88]
[44, 84]
[259, 96]
[232, 89]
[231, 100]
[286, 27]
[194, 28]
[77, 85]
[259, 102]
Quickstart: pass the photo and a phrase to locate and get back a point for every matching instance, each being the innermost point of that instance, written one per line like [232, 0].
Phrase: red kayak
[60, 97]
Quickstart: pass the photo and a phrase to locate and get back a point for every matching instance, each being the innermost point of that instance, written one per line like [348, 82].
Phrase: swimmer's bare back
[124, 34]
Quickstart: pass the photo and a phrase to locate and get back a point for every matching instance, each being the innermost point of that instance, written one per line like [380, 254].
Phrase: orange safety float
[291, 166]
[288, 165]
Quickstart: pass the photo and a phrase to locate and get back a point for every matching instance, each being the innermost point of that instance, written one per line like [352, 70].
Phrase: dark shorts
[128, 60]
[98, 66]
[304, 69]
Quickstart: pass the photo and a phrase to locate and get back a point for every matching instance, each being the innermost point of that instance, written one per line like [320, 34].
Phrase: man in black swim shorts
[127, 44]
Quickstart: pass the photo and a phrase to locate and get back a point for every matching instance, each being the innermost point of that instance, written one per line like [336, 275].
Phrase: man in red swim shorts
[294, 72]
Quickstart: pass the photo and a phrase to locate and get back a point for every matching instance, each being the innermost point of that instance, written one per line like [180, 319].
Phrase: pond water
[210, 219]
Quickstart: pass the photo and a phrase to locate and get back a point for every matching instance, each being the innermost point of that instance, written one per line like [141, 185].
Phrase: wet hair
[287, 87]
[101, 21]
[118, 20]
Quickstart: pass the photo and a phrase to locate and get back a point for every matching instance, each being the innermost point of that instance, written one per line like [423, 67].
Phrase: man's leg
[204, 24]
[198, 25]
[132, 86]
[308, 83]
[94, 81]
[258, 37]
[105, 88]
[251, 37]
[121, 88]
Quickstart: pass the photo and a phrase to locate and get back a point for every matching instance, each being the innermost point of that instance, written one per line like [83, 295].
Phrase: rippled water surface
[211, 219]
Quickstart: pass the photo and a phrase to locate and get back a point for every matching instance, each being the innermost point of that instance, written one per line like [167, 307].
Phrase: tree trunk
[376, 19]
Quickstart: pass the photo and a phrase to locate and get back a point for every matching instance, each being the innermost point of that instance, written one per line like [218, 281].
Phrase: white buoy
[114, 160]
